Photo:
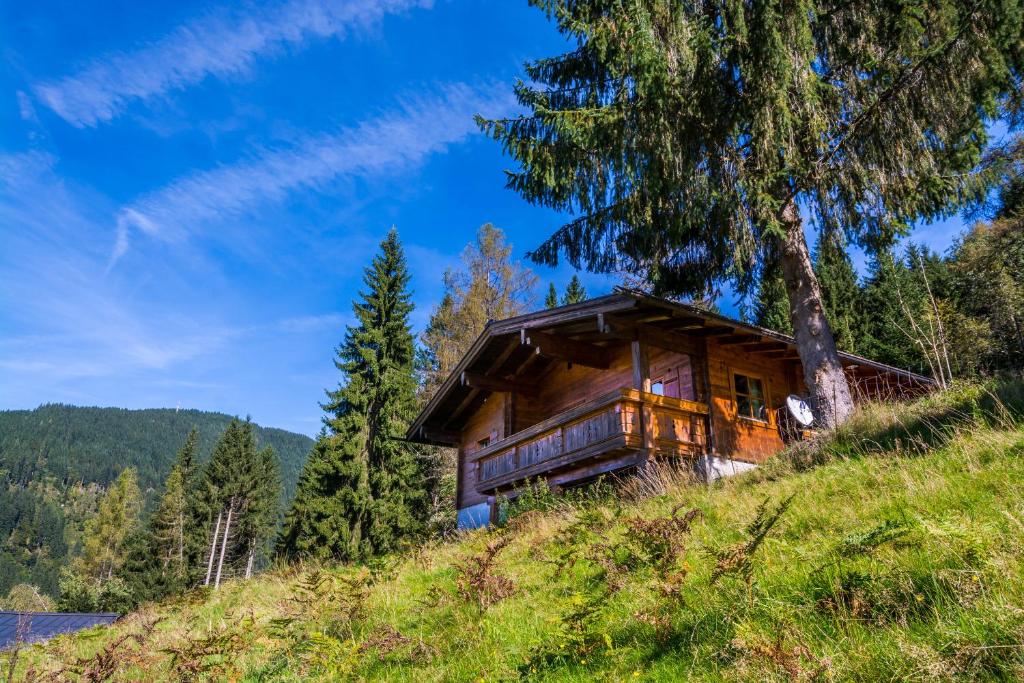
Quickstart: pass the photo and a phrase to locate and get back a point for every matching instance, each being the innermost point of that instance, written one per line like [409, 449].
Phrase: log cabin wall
[563, 388]
[487, 423]
[742, 438]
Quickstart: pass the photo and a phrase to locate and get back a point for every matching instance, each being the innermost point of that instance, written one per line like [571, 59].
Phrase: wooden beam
[734, 339]
[564, 348]
[762, 347]
[641, 367]
[441, 435]
[683, 320]
[512, 386]
[653, 336]
[783, 354]
[712, 331]
[473, 393]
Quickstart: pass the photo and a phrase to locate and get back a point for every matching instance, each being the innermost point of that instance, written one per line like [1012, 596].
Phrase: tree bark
[248, 565]
[213, 550]
[224, 544]
[823, 372]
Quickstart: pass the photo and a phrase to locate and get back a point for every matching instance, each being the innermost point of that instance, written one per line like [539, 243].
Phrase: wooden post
[213, 550]
[224, 543]
[709, 427]
[641, 367]
[642, 382]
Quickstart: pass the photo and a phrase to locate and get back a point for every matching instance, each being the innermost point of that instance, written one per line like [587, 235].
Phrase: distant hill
[55, 459]
[93, 445]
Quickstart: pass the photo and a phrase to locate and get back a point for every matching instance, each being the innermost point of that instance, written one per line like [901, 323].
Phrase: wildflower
[636, 674]
[975, 578]
[919, 597]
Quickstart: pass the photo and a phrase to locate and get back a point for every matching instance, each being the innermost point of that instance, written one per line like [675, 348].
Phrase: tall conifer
[362, 491]
[840, 292]
[689, 140]
[551, 300]
[575, 292]
[490, 285]
[238, 492]
[771, 305]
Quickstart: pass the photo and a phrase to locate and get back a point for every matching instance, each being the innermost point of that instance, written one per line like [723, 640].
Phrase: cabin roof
[33, 627]
[499, 351]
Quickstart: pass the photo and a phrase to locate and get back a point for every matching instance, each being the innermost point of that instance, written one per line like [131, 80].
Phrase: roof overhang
[505, 346]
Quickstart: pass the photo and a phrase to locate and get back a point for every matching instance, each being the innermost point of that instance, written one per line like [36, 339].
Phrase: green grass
[898, 557]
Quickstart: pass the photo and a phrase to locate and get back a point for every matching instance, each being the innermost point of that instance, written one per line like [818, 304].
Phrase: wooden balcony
[625, 422]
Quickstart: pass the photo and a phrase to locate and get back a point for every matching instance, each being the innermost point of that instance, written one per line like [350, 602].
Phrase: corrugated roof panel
[33, 627]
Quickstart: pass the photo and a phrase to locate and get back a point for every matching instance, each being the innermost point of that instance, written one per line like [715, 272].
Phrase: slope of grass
[890, 550]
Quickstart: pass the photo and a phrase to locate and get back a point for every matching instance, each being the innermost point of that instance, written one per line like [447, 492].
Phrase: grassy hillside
[54, 461]
[891, 550]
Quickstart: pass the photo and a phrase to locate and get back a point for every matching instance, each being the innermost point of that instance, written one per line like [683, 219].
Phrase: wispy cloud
[392, 143]
[219, 44]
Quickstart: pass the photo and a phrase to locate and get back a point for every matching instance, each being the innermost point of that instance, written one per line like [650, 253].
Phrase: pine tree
[257, 525]
[233, 495]
[171, 525]
[103, 544]
[574, 292]
[771, 307]
[363, 490]
[551, 300]
[890, 292]
[840, 292]
[987, 290]
[489, 286]
[690, 139]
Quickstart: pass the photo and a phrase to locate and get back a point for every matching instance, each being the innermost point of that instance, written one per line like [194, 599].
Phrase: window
[658, 388]
[750, 398]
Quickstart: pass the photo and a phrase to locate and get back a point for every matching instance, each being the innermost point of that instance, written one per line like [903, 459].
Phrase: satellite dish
[799, 410]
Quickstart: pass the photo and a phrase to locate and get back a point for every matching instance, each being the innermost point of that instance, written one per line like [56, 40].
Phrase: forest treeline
[58, 462]
[953, 315]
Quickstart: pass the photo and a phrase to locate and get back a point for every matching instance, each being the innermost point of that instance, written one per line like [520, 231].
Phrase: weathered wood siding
[737, 437]
[563, 388]
[486, 423]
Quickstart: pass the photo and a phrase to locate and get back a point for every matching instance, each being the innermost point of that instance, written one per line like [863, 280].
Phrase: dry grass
[890, 550]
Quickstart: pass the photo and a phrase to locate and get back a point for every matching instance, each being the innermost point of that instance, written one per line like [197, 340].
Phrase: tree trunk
[213, 550]
[248, 565]
[823, 372]
[224, 544]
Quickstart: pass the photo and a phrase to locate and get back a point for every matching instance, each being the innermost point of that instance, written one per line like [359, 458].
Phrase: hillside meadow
[892, 549]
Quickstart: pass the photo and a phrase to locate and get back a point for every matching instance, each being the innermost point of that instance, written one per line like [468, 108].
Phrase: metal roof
[34, 627]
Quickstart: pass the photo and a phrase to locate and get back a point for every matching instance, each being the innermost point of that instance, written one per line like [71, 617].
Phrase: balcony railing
[621, 422]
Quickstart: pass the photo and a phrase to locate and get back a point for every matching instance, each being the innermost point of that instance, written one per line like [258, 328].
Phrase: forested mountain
[93, 445]
[56, 460]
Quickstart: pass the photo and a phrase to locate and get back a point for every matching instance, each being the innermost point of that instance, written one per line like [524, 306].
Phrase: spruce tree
[690, 140]
[574, 291]
[840, 292]
[234, 497]
[890, 292]
[771, 307]
[363, 490]
[551, 300]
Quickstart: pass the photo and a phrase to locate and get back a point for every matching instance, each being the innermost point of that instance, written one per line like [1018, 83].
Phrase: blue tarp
[34, 627]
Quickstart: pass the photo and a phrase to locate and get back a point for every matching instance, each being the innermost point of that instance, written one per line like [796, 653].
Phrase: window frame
[765, 396]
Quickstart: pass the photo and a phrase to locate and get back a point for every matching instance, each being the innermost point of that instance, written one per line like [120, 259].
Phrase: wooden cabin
[570, 393]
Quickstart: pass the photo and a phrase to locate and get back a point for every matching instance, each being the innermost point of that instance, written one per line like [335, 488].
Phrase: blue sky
[189, 191]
